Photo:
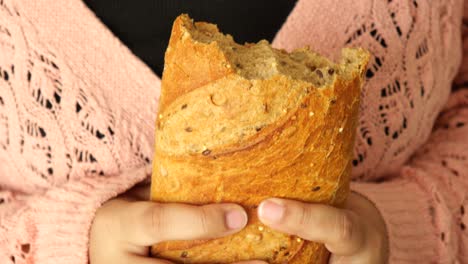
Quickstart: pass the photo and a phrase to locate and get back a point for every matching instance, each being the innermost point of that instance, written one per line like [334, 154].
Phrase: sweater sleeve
[77, 113]
[55, 225]
[424, 207]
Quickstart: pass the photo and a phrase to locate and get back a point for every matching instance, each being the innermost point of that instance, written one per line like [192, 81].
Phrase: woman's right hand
[124, 229]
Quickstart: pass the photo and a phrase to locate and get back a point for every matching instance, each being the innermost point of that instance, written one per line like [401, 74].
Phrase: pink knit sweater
[77, 112]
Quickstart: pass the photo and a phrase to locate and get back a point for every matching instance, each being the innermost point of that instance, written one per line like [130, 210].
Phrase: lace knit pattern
[77, 113]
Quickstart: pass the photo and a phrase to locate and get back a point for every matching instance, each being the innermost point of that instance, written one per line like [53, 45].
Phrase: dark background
[145, 25]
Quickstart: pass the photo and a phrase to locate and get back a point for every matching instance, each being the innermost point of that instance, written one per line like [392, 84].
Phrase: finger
[134, 259]
[147, 223]
[338, 229]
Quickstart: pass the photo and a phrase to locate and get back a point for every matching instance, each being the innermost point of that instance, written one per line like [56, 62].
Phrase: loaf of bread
[242, 123]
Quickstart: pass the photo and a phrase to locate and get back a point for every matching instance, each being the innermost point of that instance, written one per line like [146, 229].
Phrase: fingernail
[271, 211]
[236, 219]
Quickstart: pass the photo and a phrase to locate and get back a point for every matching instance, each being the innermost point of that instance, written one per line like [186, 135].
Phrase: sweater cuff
[408, 215]
[62, 218]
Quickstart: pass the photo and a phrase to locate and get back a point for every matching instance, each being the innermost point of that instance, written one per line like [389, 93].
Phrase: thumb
[148, 223]
[338, 229]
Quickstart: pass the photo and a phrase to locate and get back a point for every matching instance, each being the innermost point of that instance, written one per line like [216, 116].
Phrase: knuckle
[305, 219]
[157, 220]
[204, 215]
[344, 227]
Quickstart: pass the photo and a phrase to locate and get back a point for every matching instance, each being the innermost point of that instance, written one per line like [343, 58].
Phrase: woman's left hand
[355, 234]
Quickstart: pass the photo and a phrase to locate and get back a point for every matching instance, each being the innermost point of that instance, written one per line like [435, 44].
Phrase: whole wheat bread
[241, 123]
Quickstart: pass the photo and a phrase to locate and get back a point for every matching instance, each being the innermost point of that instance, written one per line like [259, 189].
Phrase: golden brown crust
[304, 155]
[188, 64]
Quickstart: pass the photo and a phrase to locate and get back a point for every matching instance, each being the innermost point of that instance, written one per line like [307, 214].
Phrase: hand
[124, 228]
[356, 234]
